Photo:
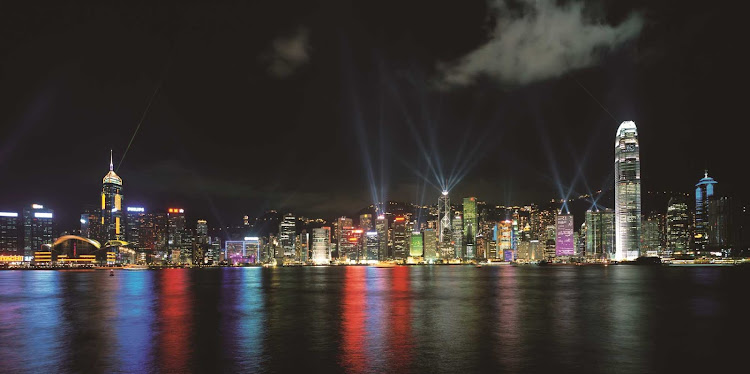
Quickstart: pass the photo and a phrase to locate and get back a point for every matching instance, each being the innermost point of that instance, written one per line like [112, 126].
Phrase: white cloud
[545, 41]
[289, 53]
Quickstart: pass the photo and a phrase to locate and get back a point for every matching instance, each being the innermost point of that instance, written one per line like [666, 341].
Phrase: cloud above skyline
[289, 53]
[544, 40]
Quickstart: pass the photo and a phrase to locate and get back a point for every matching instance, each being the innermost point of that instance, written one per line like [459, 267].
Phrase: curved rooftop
[706, 180]
[627, 126]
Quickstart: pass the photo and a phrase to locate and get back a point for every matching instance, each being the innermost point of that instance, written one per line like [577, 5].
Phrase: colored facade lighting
[42, 215]
[136, 209]
[8, 214]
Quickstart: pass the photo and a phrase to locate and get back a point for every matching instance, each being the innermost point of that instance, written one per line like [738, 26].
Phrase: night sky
[322, 107]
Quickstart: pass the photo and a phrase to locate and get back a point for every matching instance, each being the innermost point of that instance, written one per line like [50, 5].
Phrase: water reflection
[175, 323]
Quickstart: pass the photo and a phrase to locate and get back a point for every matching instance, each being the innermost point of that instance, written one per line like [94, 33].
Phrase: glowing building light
[136, 209]
[37, 206]
[8, 214]
[43, 215]
[251, 238]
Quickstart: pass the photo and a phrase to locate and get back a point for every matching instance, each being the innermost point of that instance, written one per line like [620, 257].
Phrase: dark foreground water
[355, 319]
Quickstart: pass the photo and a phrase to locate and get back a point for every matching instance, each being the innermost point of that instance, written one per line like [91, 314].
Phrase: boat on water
[135, 267]
[385, 265]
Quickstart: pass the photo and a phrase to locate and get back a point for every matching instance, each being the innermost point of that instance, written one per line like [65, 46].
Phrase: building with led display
[399, 238]
[627, 192]
[416, 248]
[10, 244]
[704, 191]
[37, 228]
[564, 243]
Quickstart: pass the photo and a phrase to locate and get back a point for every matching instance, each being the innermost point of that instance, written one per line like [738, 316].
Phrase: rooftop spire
[111, 166]
[705, 174]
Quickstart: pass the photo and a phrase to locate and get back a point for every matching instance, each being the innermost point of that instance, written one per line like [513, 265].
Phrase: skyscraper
[9, 238]
[429, 244]
[174, 233]
[365, 222]
[415, 245]
[399, 238]
[471, 223]
[112, 215]
[704, 192]
[135, 222]
[287, 235]
[458, 235]
[341, 222]
[37, 228]
[627, 192]
[444, 218]
[564, 243]
[678, 227]
[600, 234]
[381, 227]
[321, 245]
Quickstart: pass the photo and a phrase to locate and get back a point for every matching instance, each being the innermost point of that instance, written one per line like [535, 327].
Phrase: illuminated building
[321, 245]
[371, 246]
[135, 223]
[627, 193]
[303, 246]
[600, 234]
[91, 224]
[399, 238]
[458, 235]
[704, 191]
[678, 228]
[502, 237]
[175, 232]
[416, 246]
[245, 251]
[530, 250]
[9, 238]
[444, 218]
[37, 228]
[471, 224]
[430, 241]
[111, 214]
[381, 227]
[341, 222]
[201, 246]
[350, 247]
[365, 222]
[564, 243]
[287, 235]
[650, 244]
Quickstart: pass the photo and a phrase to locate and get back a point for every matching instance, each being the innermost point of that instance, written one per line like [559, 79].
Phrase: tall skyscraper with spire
[627, 192]
[704, 193]
[112, 215]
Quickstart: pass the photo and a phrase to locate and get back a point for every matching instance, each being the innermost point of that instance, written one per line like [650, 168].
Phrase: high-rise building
[678, 228]
[341, 222]
[287, 235]
[175, 231]
[135, 223]
[503, 238]
[112, 215]
[381, 227]
[321, 245]
[37, 228]
[718, 225]
[399, 238]
[444, 218]
[564, 243]
[627, 193]
[600, 234]
[10, 244]
[365, 222]
[650, 237]
[704, 191]
[416, 247]
[430, 241]
[471, 224]
[458, 235]
[371, 246]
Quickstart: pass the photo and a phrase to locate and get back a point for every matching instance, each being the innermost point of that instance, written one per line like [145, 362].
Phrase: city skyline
[210, 138]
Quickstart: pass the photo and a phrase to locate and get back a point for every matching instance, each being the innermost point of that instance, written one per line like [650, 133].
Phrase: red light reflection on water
[353, 319]
[400, 337]
[174, 313]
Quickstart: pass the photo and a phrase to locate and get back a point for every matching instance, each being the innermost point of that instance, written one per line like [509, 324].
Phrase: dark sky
[322, 107]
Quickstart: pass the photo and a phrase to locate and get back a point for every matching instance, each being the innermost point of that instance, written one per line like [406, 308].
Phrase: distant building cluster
[468, 231]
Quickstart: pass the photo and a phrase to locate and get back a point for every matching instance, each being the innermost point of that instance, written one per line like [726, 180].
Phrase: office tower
[627, 193]
[303, 246]
[365, 222]
[112, 215]
[399, 238]
[458, 235]
[471, 224]
[135, 221]
[444, 217]
[429, 242]
[503, 240]
[650, 244]
[175, 229]
[201, 246]
[704, 191]
[600, 234]
[678, 228]
[718, 225]
[287, 235]
[9, 235]
[416, 246]
[37, 228]
[564, 244]
[341, 222]
[581, 241]
[540, 220]
[321, 245]
[371, 246]
[381, 227]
